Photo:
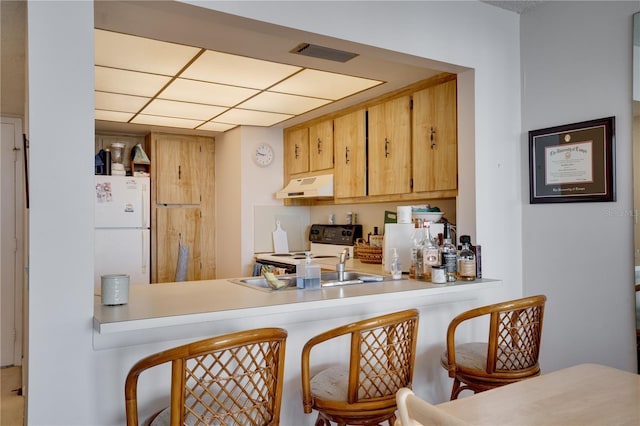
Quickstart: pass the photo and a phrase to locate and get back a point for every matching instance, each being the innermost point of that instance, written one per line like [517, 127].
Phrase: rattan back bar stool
[381, 361]
[232, 379]
[510, 353]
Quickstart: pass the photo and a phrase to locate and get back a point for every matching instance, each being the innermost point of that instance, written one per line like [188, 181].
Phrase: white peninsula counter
[160, 316]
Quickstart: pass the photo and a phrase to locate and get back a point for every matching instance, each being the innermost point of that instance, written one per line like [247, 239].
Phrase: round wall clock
[263, 155]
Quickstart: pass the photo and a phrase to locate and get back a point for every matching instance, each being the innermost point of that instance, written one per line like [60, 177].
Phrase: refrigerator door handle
[143, 198]
[145, 254]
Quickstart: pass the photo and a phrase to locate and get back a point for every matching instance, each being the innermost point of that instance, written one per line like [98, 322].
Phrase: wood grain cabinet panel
[178, 161]
[296, 151]
[350, 171]
[390, 147]
[435, 138]
[176, 226]
[321, 146]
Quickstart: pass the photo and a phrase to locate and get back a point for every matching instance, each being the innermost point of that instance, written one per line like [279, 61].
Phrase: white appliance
[122, 232]
[310, 186]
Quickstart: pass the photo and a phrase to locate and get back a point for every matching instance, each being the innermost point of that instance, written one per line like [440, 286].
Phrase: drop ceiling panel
[156, 120]
[128, 82]
[216, 127]
[141, 54]
[252, 118]
[322, 84]
[120, 117]
[182, 109]
[283, 103]
[205, 93]
[117, 102]
[218, 67]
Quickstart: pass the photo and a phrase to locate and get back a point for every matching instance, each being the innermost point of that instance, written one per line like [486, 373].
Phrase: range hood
[308, 187]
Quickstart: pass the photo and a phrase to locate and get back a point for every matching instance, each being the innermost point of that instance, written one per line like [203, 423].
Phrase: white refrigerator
[122, 232]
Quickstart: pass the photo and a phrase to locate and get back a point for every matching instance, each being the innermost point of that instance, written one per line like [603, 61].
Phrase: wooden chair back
[229, 379]
[513, 346]
[381, 361]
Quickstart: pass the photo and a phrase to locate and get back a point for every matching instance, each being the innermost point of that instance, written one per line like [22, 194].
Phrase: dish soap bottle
[396, 270]
[308, 274]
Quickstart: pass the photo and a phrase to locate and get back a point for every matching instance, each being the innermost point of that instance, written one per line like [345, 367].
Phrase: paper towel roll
[404, 214]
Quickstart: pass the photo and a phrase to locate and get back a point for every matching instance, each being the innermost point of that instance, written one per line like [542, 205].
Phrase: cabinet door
[435, 138]
[390, 147]
[350, 150]
[178, 166]
[296, 151]
[321, 146]
[175, 226]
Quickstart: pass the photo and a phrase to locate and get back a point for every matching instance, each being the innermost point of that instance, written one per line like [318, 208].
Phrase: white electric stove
[327, 241]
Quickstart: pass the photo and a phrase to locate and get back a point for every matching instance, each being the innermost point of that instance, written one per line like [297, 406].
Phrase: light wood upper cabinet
[435, 138]
[178, 164]
[350, 179]
[296, 151]
[390, 147]
[321, 146]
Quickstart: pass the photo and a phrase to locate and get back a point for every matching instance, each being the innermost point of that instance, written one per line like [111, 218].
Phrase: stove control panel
[335, 234]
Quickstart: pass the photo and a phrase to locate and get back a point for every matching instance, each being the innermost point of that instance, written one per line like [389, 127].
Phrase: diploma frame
[573, 163]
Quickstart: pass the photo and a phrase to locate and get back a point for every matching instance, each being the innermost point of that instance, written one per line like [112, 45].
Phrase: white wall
[576, 60]
[64, 370]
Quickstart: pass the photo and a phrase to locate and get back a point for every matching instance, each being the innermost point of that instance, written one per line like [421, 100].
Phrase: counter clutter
[166, 315]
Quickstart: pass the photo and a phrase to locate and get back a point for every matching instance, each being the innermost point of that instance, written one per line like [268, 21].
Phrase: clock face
[263, 155]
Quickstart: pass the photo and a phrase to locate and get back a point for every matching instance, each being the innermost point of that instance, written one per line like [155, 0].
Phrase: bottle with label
[449, 254]
[418, 242]
[308, 274]
[466, 260]
[430, 254]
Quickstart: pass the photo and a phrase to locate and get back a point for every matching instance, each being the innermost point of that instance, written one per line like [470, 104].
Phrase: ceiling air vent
[322, 52]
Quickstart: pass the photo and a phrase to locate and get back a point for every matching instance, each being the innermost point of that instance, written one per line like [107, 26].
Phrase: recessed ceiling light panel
[252, 118]
[213, 126]
[128, 82]
[205, 93]
[141, 54]
[120, 117]
[283, 103]
[117, 102]
[218, 67]
[156, 120]
[182, 109]
[322, 84]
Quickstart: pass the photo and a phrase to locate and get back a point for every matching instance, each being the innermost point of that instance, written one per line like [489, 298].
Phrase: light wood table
[586, 394]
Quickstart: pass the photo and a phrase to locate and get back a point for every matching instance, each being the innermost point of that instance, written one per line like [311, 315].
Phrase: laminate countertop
[172, 304]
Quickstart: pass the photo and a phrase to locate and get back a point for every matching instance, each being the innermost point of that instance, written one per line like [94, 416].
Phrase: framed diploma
[573, 163]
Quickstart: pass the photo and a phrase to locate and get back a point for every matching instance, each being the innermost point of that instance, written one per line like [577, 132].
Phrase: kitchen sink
[327, 279]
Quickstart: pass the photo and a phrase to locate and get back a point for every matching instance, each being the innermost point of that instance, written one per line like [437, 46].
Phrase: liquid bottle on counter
[308, 274]
[430, 255]
[466, 260]
[415, 267]
[396, 268]
[449, 254]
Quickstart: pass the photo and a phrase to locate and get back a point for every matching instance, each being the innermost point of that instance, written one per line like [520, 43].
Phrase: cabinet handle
[432, 137]
[295, 151]
[386, 147]
[346, 155]
[179, 172]
[319, 146]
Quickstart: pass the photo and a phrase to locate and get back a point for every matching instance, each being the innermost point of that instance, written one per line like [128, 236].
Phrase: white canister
[115, 289]
[404, 214]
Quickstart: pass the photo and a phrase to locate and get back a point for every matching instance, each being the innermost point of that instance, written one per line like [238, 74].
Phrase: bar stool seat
[381, 362]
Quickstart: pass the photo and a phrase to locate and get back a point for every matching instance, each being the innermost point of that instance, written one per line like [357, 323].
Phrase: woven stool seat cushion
[471, 356]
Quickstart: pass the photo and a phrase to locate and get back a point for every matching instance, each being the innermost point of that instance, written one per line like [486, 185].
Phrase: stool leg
[456, 389]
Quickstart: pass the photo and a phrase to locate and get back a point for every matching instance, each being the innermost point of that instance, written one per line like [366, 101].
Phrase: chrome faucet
[340, 266]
